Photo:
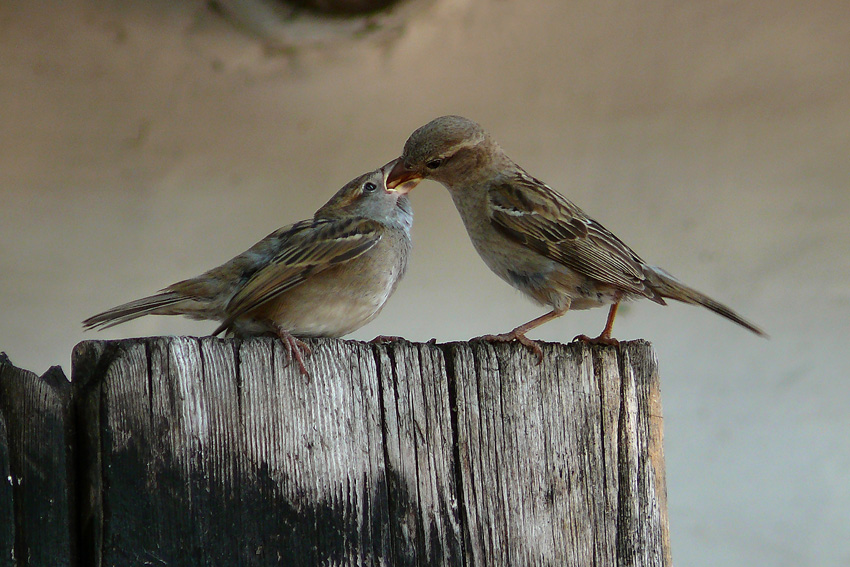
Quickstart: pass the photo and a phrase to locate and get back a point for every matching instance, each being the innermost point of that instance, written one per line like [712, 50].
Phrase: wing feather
[529, 212]
[305, 249]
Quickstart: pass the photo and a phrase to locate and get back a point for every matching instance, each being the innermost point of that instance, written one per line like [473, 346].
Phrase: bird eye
[370, 187]
[434, 163]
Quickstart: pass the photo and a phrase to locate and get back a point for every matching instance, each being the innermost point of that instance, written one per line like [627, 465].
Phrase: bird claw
[600, 340]
[512, 336]
[295, 349]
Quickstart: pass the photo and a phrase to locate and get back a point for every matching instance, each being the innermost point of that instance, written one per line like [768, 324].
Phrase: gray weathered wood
[419, 456]
[561, 464]
[213, 452]
[36, 495]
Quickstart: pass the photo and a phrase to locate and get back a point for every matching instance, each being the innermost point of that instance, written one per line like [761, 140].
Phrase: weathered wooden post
[36, 468]
[217, 452]
[185, 451]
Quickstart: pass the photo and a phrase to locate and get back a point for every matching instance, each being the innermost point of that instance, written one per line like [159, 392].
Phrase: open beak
[400, 178]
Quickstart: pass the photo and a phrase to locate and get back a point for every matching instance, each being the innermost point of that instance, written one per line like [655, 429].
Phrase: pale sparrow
[323, 277]
[531, 236]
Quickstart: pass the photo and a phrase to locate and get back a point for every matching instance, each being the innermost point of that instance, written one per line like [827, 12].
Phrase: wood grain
[218, 452]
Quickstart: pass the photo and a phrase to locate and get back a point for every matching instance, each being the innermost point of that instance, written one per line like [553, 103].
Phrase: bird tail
[669, 287]
[161, 303]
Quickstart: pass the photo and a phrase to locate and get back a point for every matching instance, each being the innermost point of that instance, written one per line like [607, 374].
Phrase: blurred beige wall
[144, 142]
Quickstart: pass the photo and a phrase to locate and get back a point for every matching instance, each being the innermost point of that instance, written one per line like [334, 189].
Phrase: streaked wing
[529, 212]
[304, 249]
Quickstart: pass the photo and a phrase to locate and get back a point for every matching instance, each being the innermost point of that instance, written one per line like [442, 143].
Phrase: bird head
[368, 196]
[448, 149]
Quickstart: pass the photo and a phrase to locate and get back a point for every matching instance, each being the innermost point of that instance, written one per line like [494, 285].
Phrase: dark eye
[434, 163]
[370, 187]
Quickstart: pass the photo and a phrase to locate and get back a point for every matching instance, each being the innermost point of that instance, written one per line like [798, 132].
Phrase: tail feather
[670, 287]
[152, 305]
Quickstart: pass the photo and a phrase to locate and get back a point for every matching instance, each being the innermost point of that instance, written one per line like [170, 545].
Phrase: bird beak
[401, 179]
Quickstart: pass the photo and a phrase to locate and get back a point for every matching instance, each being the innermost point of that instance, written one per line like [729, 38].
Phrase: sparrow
[323, 277]
[533, 237]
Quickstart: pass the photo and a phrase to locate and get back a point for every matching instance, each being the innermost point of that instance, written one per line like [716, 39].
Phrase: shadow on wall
[288, 24]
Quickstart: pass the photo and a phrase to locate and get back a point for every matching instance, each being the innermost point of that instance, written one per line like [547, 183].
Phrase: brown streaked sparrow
[323, 277]
[531, 236]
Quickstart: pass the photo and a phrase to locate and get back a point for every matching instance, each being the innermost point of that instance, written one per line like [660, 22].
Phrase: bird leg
[518, 334]
[604, 337]
[295, 348]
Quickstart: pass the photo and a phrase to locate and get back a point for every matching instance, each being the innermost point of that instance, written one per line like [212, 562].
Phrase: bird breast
[343, 298]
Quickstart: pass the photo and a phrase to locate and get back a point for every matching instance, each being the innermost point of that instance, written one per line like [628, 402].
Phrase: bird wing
[527, 211]
[300, 251]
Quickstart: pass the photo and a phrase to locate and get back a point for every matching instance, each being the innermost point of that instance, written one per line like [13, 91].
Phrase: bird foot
[295, 349]
[514, 336]
[600, 340]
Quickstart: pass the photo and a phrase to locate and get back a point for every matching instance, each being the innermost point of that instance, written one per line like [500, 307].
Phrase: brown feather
[325, 244]
[529, 212]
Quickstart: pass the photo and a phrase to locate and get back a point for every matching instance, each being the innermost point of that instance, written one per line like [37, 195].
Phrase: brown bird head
[448, 149]
[368, 196]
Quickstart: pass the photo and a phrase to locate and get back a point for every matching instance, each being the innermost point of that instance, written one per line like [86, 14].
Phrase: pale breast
[340, 300]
